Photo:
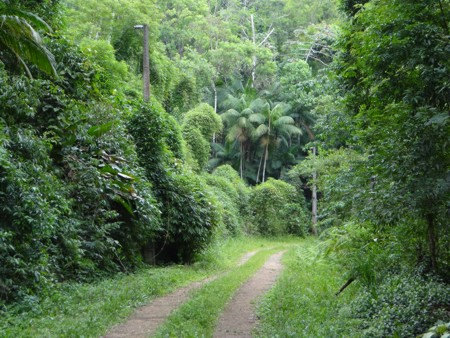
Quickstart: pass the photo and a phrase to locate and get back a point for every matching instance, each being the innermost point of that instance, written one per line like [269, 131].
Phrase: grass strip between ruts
[88, 310]
[198, 316]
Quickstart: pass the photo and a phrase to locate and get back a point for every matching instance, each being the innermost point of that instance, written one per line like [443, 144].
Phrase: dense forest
[327, 118]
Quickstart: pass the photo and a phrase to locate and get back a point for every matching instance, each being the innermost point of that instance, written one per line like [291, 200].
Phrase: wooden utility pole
[145, 63]
[314, 198]
[146, 66]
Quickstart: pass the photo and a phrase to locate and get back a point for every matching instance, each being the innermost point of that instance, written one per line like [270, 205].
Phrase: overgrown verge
[303, 302]
[72, 309]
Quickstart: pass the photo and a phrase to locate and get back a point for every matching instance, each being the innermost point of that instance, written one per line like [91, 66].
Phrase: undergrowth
[303, 302]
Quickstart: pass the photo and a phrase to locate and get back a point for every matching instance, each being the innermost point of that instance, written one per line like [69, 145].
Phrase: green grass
[303, 302]
[197, 317]
[76, 310]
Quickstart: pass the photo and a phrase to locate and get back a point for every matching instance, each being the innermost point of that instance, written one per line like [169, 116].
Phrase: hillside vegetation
[270, 117]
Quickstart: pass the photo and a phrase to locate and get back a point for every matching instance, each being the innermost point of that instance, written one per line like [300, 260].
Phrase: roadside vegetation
[80, 309]
[266, 118]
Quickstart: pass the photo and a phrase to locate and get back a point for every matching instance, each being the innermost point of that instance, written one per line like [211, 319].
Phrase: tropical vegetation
[259, 112]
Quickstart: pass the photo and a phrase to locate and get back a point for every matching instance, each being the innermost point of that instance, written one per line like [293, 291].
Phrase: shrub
[226, 171]
[198, 146]
[189, 217]
[199, 126]
[276, 209]
[228, 202]
[73, 201]
[188, 214]
[403, 305]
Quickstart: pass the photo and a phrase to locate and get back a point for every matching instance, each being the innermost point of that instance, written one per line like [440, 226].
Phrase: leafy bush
[226, 171]
[73, 201]
[403, 305]
[199, 126]
[188, 215]
[198, 146]
[228, 203]
[205, 119]
[276, 208]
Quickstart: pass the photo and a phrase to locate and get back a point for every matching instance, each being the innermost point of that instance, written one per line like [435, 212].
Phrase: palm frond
[230, 116]
[35, 20]
[261, 130]
[257, 118]
[282, 120]
[259, 105]
[281, 109]
[18, 36]
[292, 130]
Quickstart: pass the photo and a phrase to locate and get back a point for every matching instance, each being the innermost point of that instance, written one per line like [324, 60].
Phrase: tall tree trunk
[215, 96]
[215, 106]
[259, 168]
[266, 156]
[241, 167]
[254, 56]
[146, 65]
[432, 240]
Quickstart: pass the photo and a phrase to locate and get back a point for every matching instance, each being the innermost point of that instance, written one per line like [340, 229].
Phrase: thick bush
[199, 126]
[188, 214]
[403, 305]
[228, 204]
[189, 217]
[276, 209]
[73, 201]
[226, 171]
[197, 145]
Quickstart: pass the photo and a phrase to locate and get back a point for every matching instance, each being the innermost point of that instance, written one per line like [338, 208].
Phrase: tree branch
[267, 36]
[350, 281]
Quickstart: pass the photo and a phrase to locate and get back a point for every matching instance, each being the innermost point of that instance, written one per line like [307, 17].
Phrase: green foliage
[75, 203]
[188, 217]
[20, 41]
[114, 73]
[303, 302]
[231, 194]
[232, 176]
[199, 126]
[205, 119]
[199, 148]
[277, 208]
[351, 7]
[342, 181]
[404, 305]
[396, 92]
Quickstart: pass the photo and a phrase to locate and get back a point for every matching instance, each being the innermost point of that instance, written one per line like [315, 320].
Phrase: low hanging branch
[347, 283]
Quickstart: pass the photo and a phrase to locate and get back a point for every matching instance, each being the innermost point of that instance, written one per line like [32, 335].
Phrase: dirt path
[238, 319]
[146, 319]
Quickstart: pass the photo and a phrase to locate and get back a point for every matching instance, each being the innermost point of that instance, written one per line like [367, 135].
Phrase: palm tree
[240, 129]
[223, 154]
[273, 127]
[19, 37]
